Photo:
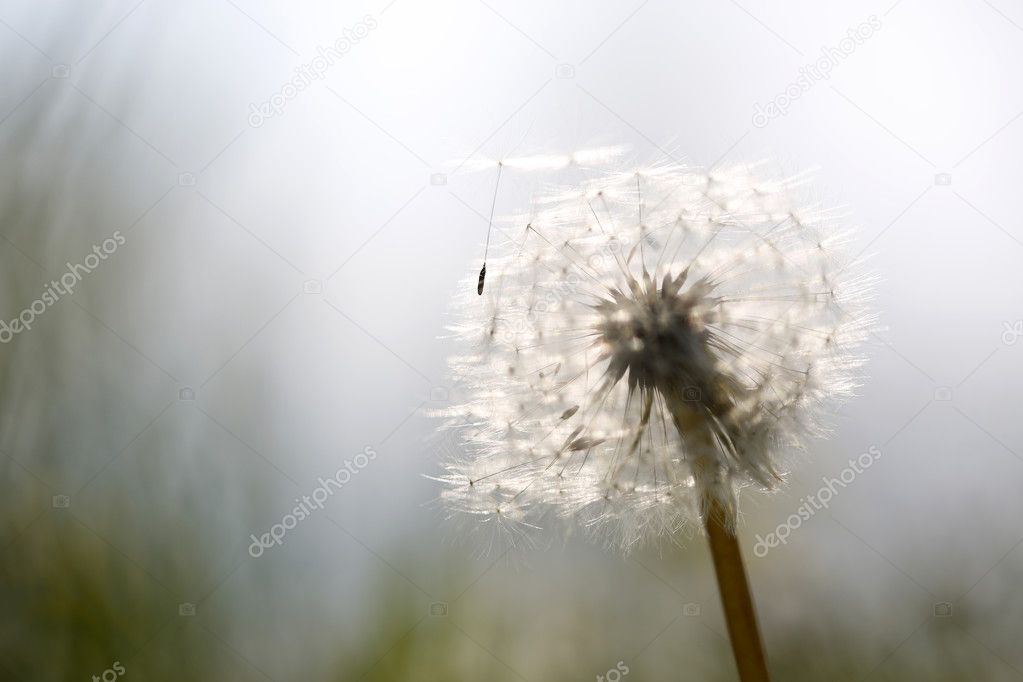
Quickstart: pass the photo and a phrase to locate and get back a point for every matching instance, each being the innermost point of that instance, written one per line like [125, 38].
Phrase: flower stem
[735, 597]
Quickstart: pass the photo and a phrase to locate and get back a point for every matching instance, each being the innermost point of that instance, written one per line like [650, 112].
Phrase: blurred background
[266, 207]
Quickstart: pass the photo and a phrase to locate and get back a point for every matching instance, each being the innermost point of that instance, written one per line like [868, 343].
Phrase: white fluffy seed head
[649, 342]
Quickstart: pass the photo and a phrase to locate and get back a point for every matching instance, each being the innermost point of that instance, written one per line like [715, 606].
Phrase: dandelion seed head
[650, 341]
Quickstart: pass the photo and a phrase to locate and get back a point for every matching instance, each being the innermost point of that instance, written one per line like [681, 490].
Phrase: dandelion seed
[490, 228]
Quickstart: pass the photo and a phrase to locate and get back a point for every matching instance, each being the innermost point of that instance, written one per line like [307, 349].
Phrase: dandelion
[650, 344]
